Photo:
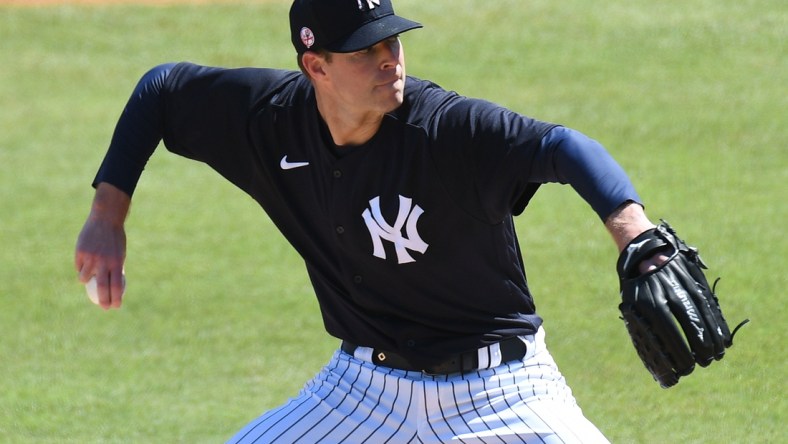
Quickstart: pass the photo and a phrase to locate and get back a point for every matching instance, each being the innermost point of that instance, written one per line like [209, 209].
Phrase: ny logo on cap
[370, 4]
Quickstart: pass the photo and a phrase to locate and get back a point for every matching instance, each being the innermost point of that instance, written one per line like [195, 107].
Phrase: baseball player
[400, 197]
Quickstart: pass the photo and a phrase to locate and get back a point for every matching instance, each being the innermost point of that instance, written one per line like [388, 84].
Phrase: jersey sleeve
[507, 156]
[137, 133]
[200, 112]
[568, 156]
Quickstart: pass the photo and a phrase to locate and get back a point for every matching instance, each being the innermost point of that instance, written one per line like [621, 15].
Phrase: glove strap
[644, 246]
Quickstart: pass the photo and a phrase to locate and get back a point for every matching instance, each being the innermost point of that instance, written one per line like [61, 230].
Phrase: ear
[313, 64]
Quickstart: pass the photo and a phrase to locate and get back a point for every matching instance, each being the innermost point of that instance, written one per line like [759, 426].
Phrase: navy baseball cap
[344, 25]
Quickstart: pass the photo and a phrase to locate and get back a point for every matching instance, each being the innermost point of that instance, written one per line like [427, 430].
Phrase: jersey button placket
[339, 193]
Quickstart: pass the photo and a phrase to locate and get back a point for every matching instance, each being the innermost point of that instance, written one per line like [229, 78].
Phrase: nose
[390, 50]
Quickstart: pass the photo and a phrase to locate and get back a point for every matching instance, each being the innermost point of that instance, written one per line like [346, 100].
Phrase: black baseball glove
[671, 313]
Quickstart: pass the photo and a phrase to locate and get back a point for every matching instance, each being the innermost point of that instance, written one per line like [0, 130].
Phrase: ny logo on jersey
[379, 229]
[371, 4]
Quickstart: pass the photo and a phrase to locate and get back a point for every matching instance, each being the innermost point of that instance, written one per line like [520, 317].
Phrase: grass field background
[219, 322]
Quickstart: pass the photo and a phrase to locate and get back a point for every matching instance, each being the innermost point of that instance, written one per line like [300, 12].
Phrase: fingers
[85, 269]
[101, 252]
[652, 263]
[107, 290]
[109, 275]
[108, 272]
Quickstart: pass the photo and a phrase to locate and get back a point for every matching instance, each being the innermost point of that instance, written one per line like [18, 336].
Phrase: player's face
[371, 80]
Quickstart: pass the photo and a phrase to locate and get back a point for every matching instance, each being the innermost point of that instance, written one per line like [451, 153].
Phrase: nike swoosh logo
[631, 249]
[290, 165]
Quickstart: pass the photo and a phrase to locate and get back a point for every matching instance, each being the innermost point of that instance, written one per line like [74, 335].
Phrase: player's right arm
[201, 113]
[101, 244]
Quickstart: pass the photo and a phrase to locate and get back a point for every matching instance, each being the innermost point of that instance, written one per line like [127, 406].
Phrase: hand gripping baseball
[671, 313]
[101, 247]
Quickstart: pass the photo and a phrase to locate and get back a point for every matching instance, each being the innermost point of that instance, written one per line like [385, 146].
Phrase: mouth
[396, 83]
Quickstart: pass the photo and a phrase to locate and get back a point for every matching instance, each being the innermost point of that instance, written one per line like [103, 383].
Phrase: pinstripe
[567, 428]
[377, 405]
[446, 420]
[357, 402]
[360, 401]
[479, 413]
[492, 404]
[344, 397]
[464, 412]
[372, 410]
[525, 404]
[426, 410]
[536, 414]
[457, 403]
[262, 420]
[324, 399]
[305, 415]
[407, 412]
[524, 420]
[288, 409]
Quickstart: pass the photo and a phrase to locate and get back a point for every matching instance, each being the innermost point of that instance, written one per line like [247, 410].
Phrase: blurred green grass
[220, 323]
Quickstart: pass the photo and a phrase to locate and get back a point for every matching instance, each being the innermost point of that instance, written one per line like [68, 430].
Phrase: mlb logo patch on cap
[307, 37]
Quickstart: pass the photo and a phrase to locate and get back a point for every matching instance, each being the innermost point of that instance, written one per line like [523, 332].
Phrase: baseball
[92, 289]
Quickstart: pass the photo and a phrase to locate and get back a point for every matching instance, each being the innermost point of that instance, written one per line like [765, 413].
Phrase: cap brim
[373, 32]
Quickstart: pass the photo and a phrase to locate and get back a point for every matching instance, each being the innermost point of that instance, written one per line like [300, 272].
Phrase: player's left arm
[669, 308]
[585, 164]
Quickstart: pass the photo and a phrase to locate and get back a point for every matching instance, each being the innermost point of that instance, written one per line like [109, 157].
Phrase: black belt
[511, 349]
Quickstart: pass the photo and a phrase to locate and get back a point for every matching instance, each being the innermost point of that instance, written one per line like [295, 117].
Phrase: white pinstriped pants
[353, 401]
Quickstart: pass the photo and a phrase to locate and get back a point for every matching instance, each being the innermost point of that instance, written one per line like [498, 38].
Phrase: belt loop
[363, 353]
[484, 357]
[490, 356]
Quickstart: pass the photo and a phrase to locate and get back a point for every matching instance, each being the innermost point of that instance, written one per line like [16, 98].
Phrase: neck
[348, 128]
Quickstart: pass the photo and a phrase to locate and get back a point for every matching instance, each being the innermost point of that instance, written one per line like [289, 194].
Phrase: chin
[395, 102]
[391, 101]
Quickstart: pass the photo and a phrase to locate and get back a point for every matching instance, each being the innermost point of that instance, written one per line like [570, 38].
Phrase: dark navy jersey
[408, 239]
